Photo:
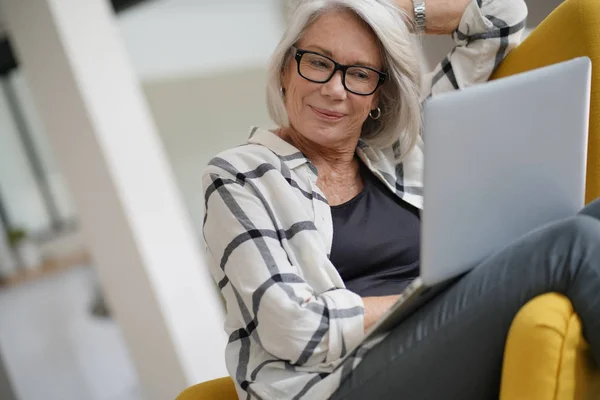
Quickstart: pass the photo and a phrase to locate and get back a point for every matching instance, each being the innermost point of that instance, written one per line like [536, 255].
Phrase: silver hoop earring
[375, 114]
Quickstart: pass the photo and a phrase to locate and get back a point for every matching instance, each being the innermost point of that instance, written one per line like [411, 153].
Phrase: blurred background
[75, 321]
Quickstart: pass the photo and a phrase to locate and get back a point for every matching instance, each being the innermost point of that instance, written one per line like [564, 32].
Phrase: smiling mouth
[326, 114]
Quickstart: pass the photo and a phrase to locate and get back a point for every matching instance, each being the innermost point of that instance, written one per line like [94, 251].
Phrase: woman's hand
[442, 16]
[375, 307]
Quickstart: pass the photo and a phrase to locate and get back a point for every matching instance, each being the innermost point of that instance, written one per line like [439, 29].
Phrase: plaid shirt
[269, 231]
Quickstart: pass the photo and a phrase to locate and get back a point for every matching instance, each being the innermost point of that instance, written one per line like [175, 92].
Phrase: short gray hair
[399, 97]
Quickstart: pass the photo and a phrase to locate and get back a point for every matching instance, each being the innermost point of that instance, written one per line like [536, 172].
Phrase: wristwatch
[419, 7]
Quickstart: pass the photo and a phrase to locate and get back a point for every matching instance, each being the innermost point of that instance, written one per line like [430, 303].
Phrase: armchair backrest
[570, 31]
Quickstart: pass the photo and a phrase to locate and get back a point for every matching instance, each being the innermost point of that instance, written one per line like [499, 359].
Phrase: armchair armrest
[217, 389]
[546, 356]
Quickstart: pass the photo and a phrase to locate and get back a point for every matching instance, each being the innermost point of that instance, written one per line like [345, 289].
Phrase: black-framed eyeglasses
[318, 68]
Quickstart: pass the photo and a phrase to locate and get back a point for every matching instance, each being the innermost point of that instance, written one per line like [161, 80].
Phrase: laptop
[501, 159]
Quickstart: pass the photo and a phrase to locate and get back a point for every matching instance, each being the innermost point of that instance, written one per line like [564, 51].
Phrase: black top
[376, 240]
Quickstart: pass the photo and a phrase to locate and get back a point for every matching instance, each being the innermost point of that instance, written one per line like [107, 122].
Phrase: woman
[314, 227]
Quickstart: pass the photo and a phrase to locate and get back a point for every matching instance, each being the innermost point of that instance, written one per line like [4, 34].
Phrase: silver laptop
[501, 159]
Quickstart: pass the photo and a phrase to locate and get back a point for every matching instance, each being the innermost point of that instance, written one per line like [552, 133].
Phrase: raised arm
[484, 32]
[443, 16]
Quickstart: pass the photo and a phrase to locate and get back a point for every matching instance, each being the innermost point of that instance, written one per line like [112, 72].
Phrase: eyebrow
[329, 54]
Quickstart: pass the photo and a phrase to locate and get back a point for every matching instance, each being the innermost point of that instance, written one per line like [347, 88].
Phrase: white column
[148, 258]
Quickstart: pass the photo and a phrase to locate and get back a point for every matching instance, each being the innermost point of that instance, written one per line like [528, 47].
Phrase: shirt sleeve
[487, 32]
[262, 288]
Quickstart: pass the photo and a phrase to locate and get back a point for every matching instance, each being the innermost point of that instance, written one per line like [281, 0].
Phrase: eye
[317, 63]
[360, 74]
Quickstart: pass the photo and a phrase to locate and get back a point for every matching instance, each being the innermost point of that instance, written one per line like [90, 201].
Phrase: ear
[283, 78]
[375, 100]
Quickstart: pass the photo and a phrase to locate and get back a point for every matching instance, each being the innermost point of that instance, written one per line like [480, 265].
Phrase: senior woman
[313, 227]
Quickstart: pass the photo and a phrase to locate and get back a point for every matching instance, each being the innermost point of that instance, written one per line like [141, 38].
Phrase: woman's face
[326, 113]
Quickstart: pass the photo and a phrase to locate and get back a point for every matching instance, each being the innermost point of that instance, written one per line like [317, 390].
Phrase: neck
[337, 158]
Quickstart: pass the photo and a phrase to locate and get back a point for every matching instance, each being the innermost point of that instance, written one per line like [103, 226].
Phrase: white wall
[170, 38]
[203, 68]
[198, 117]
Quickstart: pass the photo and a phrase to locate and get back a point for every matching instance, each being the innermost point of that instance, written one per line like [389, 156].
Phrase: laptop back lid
[502, 159]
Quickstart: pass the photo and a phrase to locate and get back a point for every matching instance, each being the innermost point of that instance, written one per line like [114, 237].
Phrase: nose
[334, 88]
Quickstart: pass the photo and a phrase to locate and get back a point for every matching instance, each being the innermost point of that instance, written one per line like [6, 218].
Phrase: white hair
[399, 96]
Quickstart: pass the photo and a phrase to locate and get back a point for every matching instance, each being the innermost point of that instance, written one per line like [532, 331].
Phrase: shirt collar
[290, 155]
[366, 151]
[293, 157]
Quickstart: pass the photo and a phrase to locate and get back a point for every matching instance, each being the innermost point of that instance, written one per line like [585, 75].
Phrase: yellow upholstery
[572, 30]
[546, 356]
[218, 389]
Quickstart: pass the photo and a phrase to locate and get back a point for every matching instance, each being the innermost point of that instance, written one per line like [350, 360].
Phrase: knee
[582, 232]
[592, 209]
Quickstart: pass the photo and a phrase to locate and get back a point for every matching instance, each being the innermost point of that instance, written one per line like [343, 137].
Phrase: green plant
[16, 236]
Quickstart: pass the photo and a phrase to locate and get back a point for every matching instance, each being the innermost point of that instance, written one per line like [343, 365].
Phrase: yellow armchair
[217, 389]
[546, 356]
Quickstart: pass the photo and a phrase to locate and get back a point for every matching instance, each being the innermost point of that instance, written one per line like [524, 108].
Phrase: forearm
[375, 307]
[485, 35]
[442, 16]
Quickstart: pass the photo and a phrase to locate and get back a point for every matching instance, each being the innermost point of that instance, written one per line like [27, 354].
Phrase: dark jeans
[453, 347]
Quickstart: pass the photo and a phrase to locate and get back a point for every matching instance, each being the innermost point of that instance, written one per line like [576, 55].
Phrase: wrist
[414, 13]
[419, 19]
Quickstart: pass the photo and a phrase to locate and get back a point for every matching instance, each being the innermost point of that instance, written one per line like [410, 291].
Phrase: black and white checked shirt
[269, 232]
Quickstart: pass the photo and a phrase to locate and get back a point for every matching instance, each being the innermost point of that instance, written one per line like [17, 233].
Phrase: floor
[54, 349]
